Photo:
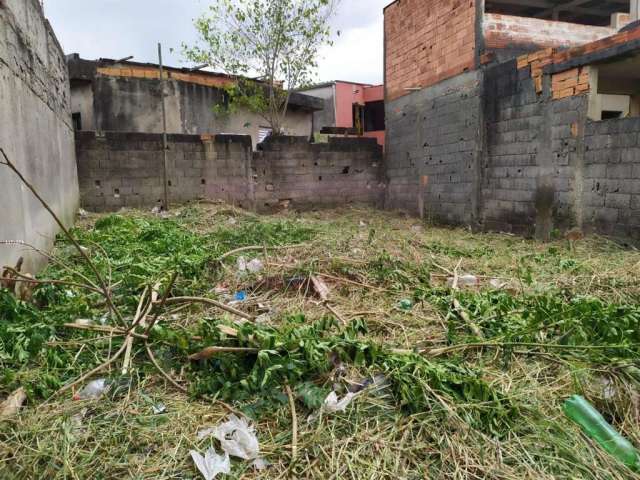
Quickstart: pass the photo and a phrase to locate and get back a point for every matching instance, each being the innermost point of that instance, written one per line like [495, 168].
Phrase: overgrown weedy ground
[557, 319]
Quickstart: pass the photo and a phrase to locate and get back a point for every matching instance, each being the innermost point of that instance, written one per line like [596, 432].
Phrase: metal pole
[165, 180]
[635, 10]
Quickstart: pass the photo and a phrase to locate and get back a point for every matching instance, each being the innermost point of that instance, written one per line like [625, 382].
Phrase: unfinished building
[121, 95]
[515, 115]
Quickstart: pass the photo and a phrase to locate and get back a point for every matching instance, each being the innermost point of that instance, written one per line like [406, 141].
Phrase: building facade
[111, 95]
[349, 108]
[515, 116]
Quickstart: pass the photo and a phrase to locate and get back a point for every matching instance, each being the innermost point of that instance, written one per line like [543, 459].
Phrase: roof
[333, 82]
[586, 12]
[86, 70]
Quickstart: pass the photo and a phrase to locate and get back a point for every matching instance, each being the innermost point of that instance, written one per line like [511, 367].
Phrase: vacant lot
[457, 376]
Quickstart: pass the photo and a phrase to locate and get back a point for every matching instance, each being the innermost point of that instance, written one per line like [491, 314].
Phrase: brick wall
[152, 72]
[612, 177]
[433, 150]
[427, 41]
[569, 83]
[125, 170]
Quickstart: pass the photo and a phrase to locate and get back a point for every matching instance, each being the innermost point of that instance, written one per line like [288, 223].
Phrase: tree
[274, 41]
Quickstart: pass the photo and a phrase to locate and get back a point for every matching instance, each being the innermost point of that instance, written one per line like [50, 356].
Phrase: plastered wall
[35, 131]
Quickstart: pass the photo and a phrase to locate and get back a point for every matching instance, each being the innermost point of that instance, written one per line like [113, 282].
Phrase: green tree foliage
[276, 41]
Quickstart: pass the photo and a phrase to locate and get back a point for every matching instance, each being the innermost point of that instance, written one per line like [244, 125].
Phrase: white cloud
[356, 56]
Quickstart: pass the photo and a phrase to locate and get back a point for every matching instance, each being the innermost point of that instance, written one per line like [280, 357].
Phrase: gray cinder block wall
[35, 131]
[309, 175]
[125, 170]
[433, 150]
[484, 149]
[118, 169]
[611, 198]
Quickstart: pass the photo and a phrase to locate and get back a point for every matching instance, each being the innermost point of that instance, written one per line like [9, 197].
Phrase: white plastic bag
[241, 264]
[255, 265]
[211, 464]
[333, 404]
[238, 438]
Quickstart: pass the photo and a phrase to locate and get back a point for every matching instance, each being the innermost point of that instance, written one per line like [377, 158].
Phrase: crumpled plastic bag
[333, 404]
[238, 438]
[253, 266]
[211, 464]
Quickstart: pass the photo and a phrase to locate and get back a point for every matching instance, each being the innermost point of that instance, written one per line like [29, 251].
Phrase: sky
[119, 28]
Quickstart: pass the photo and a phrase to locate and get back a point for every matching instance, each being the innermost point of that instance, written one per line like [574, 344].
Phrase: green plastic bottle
[584, 414]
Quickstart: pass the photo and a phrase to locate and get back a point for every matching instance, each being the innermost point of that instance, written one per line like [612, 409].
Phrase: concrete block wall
[492, 150]
[427, 41]
[513, 119]
[612, 177]
[228, 171]
[125, 170]
[433, 150]
[566, 166]
[305, 175]
[35, 131]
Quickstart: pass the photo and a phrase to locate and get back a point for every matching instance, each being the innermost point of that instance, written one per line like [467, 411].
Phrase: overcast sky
[119, 28]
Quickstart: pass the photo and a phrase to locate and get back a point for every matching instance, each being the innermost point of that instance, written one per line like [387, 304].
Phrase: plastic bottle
[93, 390]
[405, 304]
[593, 423]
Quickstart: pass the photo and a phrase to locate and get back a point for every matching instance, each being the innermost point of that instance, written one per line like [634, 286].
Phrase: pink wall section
[348, 94]
[377, 135]
[374, 94]
[344, 104]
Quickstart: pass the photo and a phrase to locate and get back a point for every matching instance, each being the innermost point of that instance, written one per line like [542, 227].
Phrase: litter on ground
[418, 353]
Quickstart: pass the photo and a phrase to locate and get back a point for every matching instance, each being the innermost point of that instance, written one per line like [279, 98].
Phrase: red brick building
[427, 41]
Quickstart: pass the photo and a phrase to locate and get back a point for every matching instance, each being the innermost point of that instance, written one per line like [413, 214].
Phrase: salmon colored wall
[377, 135]
[374, 94]
[348, 94]
[344, 104]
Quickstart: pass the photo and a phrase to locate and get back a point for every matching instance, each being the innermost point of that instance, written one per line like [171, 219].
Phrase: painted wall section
[35, 131]
[427, 41]
[346, 95]
[339, 98]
